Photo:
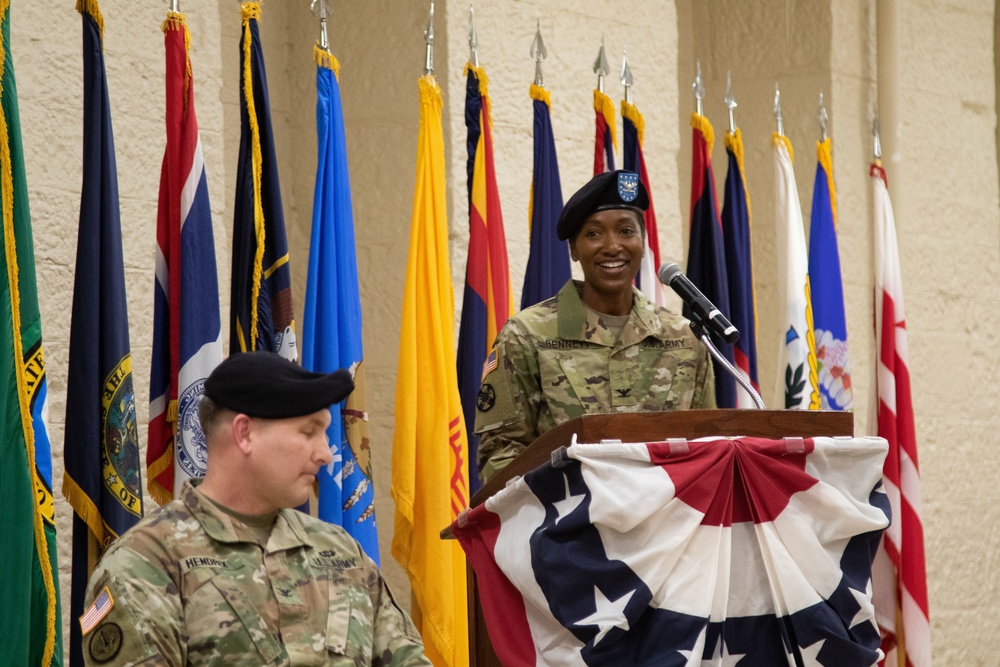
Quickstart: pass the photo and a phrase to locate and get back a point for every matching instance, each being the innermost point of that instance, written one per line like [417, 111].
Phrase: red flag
[899, 579]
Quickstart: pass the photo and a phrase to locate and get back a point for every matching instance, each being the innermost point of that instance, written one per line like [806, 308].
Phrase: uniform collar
[577, 322]
[287, 533]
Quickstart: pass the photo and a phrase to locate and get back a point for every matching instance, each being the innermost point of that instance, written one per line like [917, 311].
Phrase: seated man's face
[286, 454]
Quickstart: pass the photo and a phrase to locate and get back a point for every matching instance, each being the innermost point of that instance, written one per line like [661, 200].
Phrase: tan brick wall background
[939, 82]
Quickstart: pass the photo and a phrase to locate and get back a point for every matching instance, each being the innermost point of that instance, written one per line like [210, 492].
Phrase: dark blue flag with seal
[261, 312]
[103, 473]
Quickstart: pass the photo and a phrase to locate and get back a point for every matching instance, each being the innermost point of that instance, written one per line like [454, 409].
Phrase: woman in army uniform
[598, 346]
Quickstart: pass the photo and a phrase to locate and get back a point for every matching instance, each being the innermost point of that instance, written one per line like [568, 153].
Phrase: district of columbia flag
[30, 613]
[633, 138]
[331, 322]
[900, 576]
[429, 452]
[187, 329]
[706, 264]
[103, 476]
[604, 135]
[548, 266]
[261, 312]
[487, 302]
[798, 382]
[739, 266]
[832, 363]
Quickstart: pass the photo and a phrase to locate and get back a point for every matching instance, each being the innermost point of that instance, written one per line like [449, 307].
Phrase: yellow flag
[429, 450]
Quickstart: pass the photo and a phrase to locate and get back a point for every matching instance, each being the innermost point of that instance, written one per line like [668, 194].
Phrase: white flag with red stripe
[899, 577]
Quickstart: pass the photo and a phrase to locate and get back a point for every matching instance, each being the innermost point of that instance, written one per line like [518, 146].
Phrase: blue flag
[706, 264]
[548, 258]
[829, 322]
[331, 323]
[103, 473]
[261, 312]
[739, 266]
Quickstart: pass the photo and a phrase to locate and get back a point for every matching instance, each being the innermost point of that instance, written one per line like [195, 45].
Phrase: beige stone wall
[941, 159]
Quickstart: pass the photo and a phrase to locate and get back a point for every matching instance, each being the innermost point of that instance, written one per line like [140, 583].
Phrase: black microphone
[701, 308]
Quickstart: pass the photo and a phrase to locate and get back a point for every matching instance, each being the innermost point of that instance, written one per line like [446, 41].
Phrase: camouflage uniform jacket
[557, 360]
[187, 590]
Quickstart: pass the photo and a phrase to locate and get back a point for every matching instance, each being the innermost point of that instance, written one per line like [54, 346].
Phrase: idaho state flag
[261, 315]
[706, 264]
[604, 137]
[331, 322]
[633, 136]
[187, 330]
[745, 551]
[548, 258]
[832, 364]
[487, 302]
[739, 267]
[430, 469]
[103, 479]
[29, 586]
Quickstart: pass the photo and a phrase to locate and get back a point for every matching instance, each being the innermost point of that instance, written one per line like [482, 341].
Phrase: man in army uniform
[227, 574]
[598, 346]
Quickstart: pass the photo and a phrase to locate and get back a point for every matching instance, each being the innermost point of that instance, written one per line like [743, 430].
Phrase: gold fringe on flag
[251, 11]
[734, 142]
[7, 192]
[782, 139]
[703, 125]
[824, 151]
[93, 8]
[540, 94]
[606, 107]
[326, 59]
[632, 113]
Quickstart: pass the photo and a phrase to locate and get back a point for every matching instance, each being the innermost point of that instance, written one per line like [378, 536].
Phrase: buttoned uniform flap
[249, 618]
[351, 617]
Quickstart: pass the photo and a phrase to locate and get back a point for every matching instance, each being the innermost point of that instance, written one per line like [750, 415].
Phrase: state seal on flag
[192, 454]
[120, 455]
[628, 186]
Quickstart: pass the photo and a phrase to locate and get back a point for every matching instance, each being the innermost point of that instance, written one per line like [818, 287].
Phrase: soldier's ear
[242, 427]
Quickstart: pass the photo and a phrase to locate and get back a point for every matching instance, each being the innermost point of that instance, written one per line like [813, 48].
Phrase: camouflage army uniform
[191, 587]
[558, 360]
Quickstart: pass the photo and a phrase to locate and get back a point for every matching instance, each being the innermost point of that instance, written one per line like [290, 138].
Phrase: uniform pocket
[244, 610]
[351, 617]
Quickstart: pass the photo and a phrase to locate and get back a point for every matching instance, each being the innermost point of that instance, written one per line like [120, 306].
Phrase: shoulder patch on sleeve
[106, 643]
[97, 611]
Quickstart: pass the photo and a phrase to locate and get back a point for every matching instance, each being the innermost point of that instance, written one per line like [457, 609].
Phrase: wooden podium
[642, 427]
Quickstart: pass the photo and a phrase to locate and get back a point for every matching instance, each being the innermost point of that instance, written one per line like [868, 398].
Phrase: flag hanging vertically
[429, 451]
[739, 266]
[187, 329]
[486, 304]
[103, 478]
[261, 316]
[900, 578]
[548, 258]
[604, 136]
[832, 364]
[29, 587]
[706, 263]
[633, 137]
[798, 385]
[331, 322]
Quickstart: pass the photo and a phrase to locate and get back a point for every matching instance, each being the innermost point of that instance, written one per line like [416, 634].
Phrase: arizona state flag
[261, 315]
[832, 363]
[29, 585]
[487, 301]
[548, 266]
[604, 136]
[103, 479]
[798, 384]
[633, 136]
[187, 329]
[331, 323]
[706, 264]
[429, 450]
[739, 266]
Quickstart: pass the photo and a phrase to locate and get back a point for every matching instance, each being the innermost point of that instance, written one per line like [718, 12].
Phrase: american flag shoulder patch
[97, 611]
[489, 364]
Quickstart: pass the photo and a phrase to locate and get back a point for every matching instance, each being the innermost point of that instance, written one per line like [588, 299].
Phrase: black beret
[612, 189]
[266, 385]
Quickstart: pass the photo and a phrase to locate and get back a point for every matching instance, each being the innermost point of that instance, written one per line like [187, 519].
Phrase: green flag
[29, 585]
